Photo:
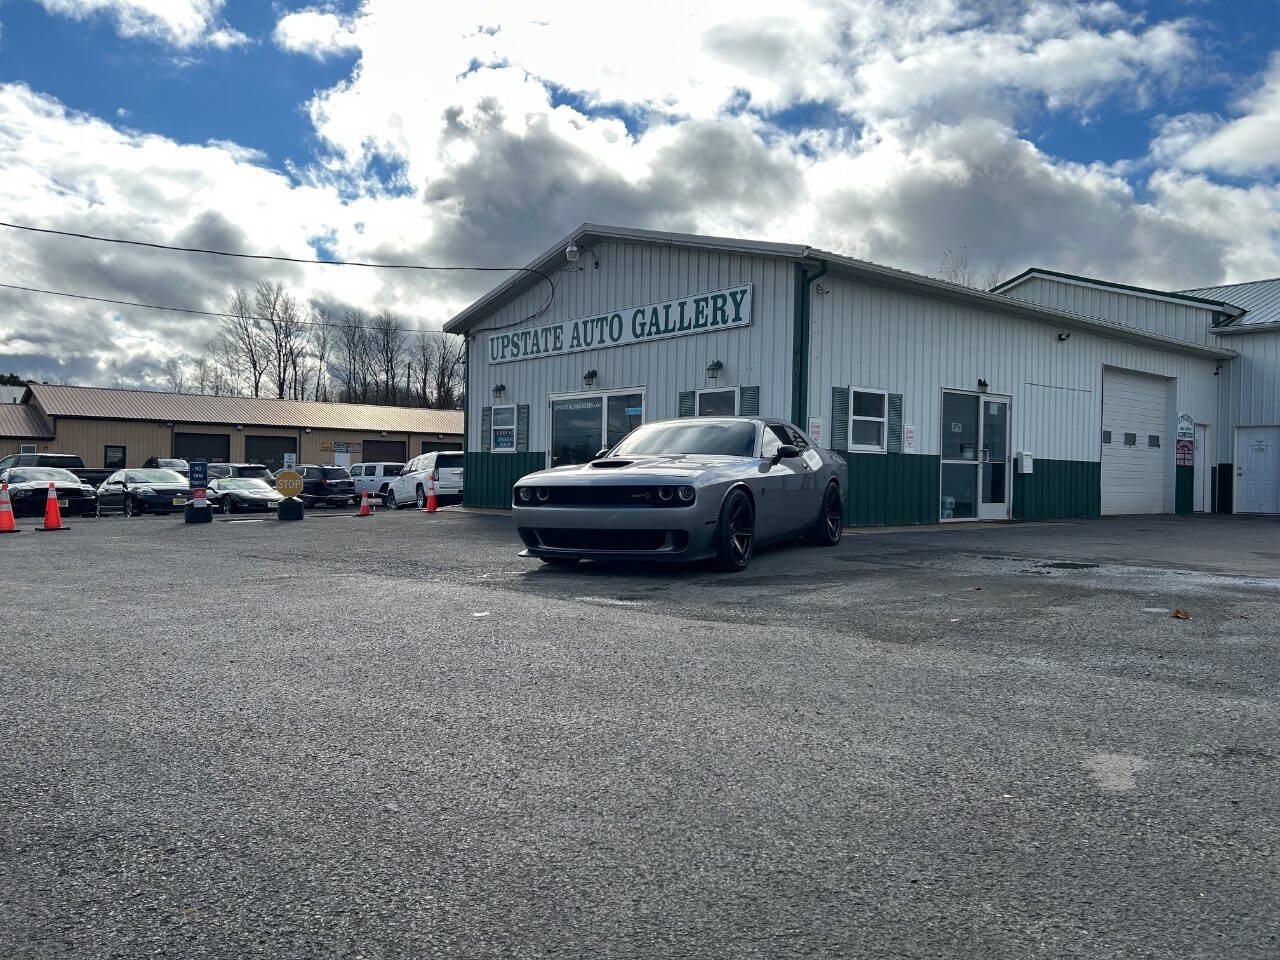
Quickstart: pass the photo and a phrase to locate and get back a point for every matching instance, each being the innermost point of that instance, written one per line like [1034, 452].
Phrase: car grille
[604, 496]
[558, 538]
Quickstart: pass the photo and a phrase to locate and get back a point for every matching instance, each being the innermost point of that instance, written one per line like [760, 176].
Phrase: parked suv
[374, 477]
[323, 484]
[176, 464]
[441, 467]
[254, 471]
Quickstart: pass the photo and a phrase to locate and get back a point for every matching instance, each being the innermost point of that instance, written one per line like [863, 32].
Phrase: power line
[186, 310]
[239, 255]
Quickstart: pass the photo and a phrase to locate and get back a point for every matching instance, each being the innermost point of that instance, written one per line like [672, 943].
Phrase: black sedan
[29, 491]
[143, 491]
[237, 494]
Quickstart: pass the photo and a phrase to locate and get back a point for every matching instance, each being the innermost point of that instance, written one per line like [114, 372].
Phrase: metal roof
[19, 421]
[100, 403]
[1188, 296]
[590, 233]
[1261, 298]
[12, 394]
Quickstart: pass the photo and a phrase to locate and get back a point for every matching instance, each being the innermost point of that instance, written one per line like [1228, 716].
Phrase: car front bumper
[605, 533]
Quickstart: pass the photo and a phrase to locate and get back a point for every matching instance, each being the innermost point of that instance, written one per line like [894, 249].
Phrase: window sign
[583, 424]
[503, 436]
[717, 310]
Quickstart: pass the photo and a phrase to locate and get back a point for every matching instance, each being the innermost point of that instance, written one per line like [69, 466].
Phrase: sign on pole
[288, 483]
[290, 461]
[198, 474]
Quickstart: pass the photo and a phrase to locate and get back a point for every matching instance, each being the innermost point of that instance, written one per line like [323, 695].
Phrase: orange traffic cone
[6, 511]
[431, 506]
[52, 515]
[364, 504]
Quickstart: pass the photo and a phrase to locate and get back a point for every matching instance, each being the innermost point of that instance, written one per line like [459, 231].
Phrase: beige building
[117, 428]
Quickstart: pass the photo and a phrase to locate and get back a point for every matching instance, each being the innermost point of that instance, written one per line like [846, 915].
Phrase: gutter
[1247, 328]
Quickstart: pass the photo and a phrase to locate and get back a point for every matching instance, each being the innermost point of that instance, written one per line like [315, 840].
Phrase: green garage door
[269, 451]
[214, 447]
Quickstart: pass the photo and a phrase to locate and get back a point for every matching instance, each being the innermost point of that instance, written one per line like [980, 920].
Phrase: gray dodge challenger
[688, 489]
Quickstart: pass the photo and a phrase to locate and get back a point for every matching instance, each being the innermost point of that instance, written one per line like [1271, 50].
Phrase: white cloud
[478, 134]
[316, 33]
[177, 23]
[1249, 144]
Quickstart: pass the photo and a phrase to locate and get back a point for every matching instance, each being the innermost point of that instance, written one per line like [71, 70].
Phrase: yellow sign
[288, 483]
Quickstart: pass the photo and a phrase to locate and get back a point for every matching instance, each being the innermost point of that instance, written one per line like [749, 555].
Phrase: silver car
[685, 489]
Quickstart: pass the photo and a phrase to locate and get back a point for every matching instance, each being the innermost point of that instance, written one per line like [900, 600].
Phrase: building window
[867, 420]
[582, 424]
[718, 402]
[27, 448]
[504, 429]
[113, 457]
[1153, 440]
[1130, 439]
[1106, 436]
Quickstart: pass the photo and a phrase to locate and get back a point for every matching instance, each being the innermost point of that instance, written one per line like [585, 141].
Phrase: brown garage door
[269, 451]
[371, 451]
[214, 447]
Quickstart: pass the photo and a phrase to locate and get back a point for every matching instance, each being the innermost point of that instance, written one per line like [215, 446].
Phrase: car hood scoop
[610, 464]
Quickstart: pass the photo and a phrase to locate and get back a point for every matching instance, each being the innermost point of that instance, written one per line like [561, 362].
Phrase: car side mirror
[786, 452]
[602, 452]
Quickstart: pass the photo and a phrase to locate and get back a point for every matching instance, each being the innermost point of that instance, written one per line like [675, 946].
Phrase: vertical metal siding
[1186, 321]
[1251, 387]
[632, 274]
[905, 343]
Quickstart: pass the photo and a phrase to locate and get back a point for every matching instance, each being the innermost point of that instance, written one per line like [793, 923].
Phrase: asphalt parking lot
[392, 737]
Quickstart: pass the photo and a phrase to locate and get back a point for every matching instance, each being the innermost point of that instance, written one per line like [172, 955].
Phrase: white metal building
[1054, 396]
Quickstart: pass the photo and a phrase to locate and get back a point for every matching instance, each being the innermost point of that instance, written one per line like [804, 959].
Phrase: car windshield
[154, 476]
[243, 483]
[336, 473]
[173, 464]
[254, 471]
[726, 438]
[42, 475]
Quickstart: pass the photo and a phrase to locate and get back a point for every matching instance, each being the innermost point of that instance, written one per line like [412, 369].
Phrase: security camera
[1064, 336]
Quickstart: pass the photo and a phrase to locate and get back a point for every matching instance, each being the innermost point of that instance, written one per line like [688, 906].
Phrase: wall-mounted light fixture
[1064, 337]
[306, 429]
[572, 252]
[982, 385]
[713, 370]
[589, 378]
[239, 426]
[498, 390]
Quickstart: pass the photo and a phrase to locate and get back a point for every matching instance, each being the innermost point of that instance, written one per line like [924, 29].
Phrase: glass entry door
[975, 457]
[584, 423]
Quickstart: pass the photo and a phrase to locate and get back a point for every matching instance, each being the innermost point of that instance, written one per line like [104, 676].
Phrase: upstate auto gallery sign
[717, 310]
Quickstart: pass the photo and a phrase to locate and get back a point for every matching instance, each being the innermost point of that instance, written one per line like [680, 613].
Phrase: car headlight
[543, 494]
[665, 493]
[525, 493]
[686, 493]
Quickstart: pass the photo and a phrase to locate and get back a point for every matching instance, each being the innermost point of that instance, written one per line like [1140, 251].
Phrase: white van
[374, 477]
[441, 467]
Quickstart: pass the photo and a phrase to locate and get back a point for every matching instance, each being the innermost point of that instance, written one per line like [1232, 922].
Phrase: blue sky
[1134, 141]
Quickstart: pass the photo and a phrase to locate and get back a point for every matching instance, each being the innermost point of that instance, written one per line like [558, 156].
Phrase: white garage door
[1136, 445]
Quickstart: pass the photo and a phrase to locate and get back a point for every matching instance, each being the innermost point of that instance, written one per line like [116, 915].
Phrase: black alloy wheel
[129, 509]
[735, 533]
[226, 506]
[829, 527]
[422, 498]
[389, 501]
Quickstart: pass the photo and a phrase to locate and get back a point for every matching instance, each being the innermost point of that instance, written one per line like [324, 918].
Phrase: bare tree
[956, 267]
[998, 274]
[352, 357]
[423, 355]
[321, 340]
[175, 375]
[241, 342]
[285, 337]
[202, 373]
[387, 334]
[446, 369]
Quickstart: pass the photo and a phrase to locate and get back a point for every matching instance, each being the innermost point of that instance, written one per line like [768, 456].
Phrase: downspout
[800, 368]
[466, 393]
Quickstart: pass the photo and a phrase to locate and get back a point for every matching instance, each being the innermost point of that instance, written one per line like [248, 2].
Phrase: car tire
[829, 527]
[226, 507]
[308, 502]
[735, 532]
[388, 501]
[421, 498]
[129, 510]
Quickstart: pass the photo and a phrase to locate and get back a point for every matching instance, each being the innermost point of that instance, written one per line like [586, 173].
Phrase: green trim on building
[1184, 490]
[489, 477]
[1224, 488]
[891, 489]
[799, 358]
[1058, 490]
